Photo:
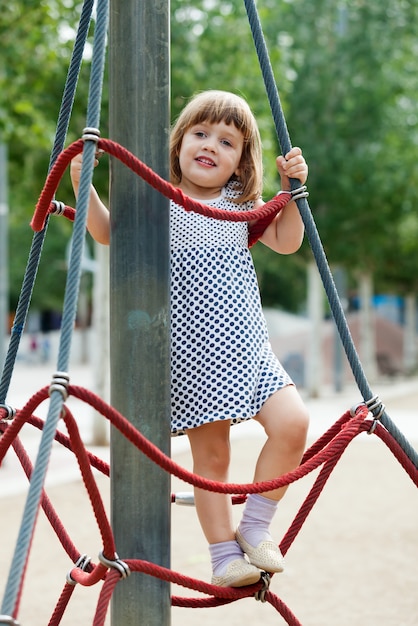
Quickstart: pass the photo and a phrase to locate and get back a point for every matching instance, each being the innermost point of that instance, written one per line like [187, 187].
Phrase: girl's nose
[209, 145]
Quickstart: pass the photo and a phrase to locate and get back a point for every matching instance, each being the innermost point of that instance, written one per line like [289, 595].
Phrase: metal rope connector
[7, 619]
[260, 596]
[184, 498]
[91, 134]
[377, 408]
[116, 563]
[59, 207]
[356, 407]
[374, 406]
[300, 192]
[82, 563]
[10, 412]
[60, 382]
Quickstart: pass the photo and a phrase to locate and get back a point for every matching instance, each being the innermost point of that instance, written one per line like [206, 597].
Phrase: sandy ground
[353, 563]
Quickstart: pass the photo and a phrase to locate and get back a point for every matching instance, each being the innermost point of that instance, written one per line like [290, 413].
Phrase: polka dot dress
[222, 364]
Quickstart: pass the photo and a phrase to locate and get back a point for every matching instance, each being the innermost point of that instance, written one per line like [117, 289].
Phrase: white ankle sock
[222, 554]
[256, 519]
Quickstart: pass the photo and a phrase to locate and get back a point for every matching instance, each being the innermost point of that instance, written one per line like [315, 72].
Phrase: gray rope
[312, 232]
[57, 390]
[39, 237]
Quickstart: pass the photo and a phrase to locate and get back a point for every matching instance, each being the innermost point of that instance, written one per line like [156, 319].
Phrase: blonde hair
[221, 106]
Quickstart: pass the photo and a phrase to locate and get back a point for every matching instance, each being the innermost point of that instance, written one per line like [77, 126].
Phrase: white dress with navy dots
[222, 364]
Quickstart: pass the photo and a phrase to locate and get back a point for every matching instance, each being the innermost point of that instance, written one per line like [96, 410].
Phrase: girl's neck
[202, 193]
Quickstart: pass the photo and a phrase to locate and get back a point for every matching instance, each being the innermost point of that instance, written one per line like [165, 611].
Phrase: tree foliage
[37, 41]
[354, 96]
[348, 83]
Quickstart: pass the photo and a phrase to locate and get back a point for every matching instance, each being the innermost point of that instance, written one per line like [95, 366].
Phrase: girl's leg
[285, 421]
[211, 457]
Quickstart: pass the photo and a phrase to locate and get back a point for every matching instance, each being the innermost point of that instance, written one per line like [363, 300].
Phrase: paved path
[354, 562]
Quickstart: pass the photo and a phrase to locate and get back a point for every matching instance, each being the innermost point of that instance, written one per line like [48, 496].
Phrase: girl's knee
[285, 416]
[299, 424]
[213, 465]
[211, 452]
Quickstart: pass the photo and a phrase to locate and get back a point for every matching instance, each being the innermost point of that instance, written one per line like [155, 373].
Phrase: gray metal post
[139, 309]
[4, 273]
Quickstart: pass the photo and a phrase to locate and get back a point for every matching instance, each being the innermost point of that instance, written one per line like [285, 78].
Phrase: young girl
[222, 365]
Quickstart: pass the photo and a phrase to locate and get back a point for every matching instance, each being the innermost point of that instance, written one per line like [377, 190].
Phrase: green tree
[37, 41]
[352, 107]
[348, 84]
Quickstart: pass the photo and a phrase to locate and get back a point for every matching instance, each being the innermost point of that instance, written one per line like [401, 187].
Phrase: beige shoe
[239, 573]
[266, 555]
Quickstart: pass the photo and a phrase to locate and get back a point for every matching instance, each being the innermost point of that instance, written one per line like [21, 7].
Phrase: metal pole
[4, 274]
[139, 309]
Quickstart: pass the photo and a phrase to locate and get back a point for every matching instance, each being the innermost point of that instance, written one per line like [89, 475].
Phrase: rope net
[324, 455]
[110, 569]
[46, 205]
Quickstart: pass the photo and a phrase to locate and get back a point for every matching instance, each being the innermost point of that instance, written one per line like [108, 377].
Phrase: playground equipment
[152, 574]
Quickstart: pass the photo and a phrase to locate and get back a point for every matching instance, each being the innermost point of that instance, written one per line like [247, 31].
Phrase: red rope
[150, 450]
[91, 485]
[61, 605]
[326, 452]
[261, 216]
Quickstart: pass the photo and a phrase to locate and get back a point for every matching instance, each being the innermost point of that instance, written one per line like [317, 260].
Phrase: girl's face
[209, 155]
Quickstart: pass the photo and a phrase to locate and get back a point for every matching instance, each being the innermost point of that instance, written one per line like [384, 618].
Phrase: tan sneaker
[239, 573]
[266, 555]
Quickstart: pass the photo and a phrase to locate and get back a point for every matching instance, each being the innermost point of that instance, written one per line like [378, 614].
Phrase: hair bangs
[216, 106]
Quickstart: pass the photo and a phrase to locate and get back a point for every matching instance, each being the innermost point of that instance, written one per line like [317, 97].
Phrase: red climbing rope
[324, 453]
[261, 216]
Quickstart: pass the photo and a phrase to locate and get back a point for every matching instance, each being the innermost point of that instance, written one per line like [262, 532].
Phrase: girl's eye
[199, 133]
[226, 142]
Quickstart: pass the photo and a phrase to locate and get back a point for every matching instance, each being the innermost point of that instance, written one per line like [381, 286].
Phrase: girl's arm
[285, 233]
[98, 218]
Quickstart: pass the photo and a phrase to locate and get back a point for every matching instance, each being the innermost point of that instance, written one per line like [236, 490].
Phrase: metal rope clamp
[260, 596]
[10, 412]
[82, 563]
[59, 207]
[116, 563]
[91, 134]
[300, 192]
[60, 382]
[375, 406]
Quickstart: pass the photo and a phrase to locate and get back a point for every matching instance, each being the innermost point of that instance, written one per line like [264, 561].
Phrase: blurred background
[346, 73]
